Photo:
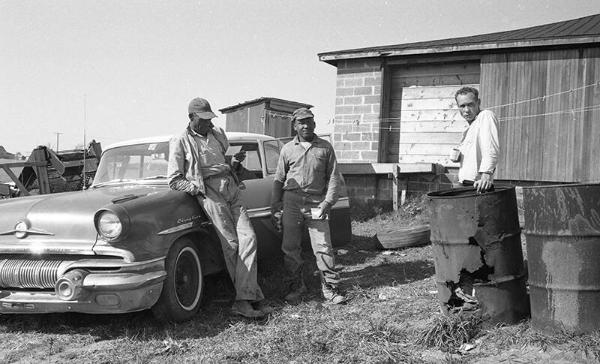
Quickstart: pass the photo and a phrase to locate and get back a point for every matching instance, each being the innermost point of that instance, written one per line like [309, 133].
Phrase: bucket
[562, 229]
[477, 252]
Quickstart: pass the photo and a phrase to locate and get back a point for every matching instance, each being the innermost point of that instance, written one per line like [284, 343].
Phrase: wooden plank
[432, 126]
[425, 149]
[430, 138]
[15, 179]
[421, 158]
[449, 68]
[445, 104]
[430, 92]
[437, 80]
[417, 115]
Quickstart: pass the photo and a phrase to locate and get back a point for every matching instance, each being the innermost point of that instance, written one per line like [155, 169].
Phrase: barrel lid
[467, 192]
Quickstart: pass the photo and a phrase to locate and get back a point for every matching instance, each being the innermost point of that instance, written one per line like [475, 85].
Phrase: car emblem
[22, 229]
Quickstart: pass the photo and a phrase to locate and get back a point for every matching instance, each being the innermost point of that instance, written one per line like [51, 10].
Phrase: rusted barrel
[477, 252]
[562, 230]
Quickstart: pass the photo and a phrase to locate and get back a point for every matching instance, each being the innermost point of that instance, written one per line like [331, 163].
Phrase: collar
[314, 141]
[193, 133]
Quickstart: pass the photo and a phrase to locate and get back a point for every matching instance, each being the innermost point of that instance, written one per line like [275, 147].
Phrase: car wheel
[184, 285]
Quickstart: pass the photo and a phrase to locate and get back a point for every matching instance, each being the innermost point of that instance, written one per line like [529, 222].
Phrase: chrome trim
[187, 225]
[31, 231]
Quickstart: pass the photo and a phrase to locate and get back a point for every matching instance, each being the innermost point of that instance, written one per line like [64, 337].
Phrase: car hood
[61, 223]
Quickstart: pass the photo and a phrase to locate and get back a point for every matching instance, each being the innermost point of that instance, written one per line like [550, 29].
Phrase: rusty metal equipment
[477, 252]
[562, 229]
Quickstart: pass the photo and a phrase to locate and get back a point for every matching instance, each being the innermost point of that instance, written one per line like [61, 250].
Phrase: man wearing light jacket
[197, 165]
[479, 148]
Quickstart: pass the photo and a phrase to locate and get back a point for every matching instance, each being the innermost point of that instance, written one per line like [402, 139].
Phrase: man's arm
[490, 148]
[176, 169]
[278, 182]
[334, 184]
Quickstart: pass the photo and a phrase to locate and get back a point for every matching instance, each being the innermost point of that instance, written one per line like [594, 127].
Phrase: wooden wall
[423, 122]
[247, 119]
[549, 125]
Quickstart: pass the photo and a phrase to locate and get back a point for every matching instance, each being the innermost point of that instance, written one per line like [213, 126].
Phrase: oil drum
[477, 252]
[562, 230]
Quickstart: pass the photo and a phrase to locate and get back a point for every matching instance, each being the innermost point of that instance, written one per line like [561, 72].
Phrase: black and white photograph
[343, 181]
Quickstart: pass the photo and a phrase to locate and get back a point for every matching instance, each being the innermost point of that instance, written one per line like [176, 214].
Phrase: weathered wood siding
[547, 132]
[248, 119]
[424, 123]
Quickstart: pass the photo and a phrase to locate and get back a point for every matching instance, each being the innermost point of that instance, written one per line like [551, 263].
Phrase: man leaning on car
[197, 166]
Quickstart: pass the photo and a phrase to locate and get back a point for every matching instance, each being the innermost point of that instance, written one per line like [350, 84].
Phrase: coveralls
[197, 166]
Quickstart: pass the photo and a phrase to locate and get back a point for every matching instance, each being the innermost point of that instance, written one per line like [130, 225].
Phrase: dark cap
[302, 113]
[201, 107]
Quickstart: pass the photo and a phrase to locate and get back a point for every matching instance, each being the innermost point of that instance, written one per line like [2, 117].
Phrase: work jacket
[184, 170]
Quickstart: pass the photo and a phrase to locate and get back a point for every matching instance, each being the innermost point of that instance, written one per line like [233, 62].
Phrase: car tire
[184, 285]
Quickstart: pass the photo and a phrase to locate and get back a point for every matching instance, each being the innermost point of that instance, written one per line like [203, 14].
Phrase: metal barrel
[477, 252]
[562, 230]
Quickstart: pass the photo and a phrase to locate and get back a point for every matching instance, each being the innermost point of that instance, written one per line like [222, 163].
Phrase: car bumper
[123, 291]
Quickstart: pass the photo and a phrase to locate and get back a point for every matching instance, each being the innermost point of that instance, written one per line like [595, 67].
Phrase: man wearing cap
[197, 166]
[306, 185]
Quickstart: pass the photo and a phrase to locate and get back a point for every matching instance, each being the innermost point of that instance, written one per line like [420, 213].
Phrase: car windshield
[146, 161]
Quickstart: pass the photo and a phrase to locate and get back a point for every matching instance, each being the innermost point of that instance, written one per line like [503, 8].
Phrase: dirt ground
[392, 303]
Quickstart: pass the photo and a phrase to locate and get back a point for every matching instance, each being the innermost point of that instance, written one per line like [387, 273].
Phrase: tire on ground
[184, 285]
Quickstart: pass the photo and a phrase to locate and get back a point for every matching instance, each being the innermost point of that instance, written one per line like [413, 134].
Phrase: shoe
[245, 309]
[296, 292]
[263, 308]
[332, 294]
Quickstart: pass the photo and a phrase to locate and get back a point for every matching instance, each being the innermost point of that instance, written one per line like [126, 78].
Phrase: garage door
[424, 123]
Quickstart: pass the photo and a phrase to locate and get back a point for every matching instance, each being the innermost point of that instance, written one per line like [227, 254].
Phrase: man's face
[201, 126]
[468, 106]
[305, 128]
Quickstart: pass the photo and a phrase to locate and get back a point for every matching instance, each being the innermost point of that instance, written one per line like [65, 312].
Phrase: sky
[121, 69]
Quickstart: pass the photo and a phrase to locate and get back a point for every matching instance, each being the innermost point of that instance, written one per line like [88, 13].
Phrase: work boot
[245, 309]
[264, 308]
[295, 293]
[332, 294]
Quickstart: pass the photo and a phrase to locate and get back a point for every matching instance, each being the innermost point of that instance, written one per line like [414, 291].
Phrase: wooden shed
[542, 82]
[265, 115]
[395, 104]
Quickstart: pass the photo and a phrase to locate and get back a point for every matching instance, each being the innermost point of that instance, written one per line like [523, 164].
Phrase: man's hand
[276, 215]
[485, 183]
[325, 208]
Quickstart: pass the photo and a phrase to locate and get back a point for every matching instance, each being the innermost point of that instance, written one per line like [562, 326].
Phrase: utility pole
[57, 137]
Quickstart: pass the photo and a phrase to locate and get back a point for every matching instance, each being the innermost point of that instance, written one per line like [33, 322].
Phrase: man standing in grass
[479, 148]
[306, 185]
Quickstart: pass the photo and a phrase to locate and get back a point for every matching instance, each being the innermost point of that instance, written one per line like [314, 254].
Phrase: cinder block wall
[357, 108]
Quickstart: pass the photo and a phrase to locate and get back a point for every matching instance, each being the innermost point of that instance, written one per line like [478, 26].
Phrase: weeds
[448, 333]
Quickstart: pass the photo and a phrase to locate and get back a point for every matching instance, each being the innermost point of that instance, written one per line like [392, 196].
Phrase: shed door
[424, 122]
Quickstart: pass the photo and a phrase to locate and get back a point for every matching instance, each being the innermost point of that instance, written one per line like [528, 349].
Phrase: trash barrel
[562, 230]
[477, 252]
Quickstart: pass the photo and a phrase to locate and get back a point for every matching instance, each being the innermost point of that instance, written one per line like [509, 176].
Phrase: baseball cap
[201, 107]
[302, 113]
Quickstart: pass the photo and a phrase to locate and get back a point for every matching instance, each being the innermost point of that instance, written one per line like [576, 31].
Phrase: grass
[392, 317]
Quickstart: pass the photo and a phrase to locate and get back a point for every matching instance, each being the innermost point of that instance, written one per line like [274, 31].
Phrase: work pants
[296, 215]
[238, 239]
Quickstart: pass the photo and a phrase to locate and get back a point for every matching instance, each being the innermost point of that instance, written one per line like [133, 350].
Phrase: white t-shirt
[480, 147]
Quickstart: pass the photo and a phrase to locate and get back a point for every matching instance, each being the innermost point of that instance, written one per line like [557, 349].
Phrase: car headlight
[109, 225]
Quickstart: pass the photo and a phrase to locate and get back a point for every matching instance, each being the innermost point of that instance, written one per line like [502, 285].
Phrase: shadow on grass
[388, 274]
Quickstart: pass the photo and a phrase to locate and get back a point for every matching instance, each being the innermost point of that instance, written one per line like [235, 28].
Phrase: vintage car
[128, 242]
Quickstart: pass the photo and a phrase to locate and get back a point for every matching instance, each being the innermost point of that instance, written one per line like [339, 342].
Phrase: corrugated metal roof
[261, 100]
[575, 31]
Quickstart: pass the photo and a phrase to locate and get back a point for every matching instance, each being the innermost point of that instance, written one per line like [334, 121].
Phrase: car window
[133, 162]
[272, 149]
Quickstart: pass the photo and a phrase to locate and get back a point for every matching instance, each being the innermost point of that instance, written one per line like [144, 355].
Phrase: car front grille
[29, 273]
